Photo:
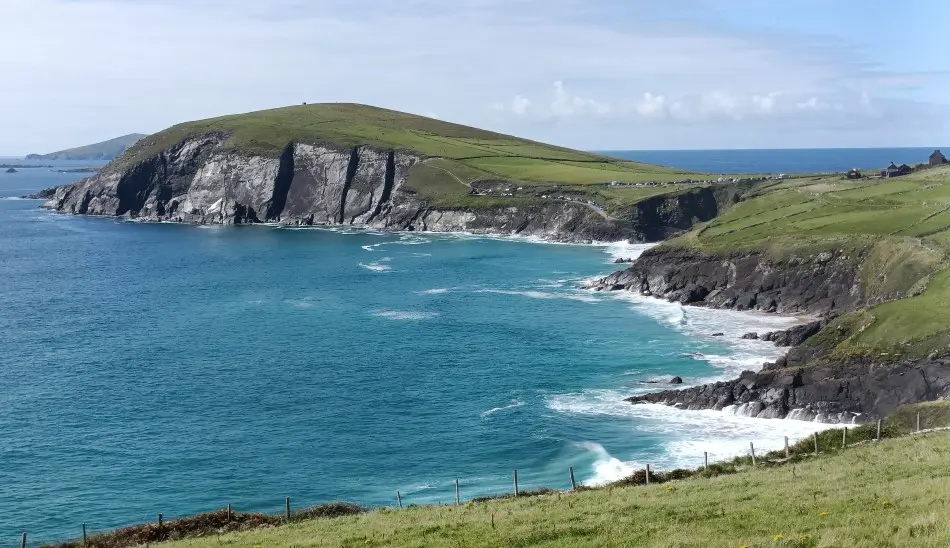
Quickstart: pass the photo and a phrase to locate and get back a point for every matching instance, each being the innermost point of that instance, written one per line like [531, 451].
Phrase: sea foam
[405, 315]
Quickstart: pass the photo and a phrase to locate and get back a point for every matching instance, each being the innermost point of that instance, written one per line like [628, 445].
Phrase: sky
[589, 74]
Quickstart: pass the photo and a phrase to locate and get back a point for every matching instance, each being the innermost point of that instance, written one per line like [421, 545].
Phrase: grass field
[892, 493]
[456, 153]
[898, 229]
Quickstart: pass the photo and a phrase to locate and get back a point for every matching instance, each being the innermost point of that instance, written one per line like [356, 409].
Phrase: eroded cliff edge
[814, 381]
[201, 181]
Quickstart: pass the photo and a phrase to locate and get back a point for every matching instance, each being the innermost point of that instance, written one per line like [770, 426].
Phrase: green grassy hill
[458, 155]
[891, 493]
[106, 150]
[899, 230]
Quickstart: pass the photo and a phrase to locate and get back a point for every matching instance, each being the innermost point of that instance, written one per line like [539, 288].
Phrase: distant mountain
[106, 150]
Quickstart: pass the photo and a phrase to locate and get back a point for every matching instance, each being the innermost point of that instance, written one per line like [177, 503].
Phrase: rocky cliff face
[806, 384]
[824, 283]
[835, 393]
[200, 181]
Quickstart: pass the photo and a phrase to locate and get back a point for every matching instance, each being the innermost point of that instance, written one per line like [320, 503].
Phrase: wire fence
[163, 527]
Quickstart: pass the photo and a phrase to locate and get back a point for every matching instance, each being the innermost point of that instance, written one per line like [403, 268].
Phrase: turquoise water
[160, 368]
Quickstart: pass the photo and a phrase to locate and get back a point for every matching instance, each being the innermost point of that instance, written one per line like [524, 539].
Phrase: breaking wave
[404, 315]
[514, 404]
[436, 291]
[581, 296]
[606, 468]
[683, 436]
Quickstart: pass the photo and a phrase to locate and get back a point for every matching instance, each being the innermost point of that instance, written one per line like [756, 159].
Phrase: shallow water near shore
[161, 368]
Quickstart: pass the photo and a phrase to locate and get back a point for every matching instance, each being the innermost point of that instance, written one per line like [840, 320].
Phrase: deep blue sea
[817, 160]
[149, 368]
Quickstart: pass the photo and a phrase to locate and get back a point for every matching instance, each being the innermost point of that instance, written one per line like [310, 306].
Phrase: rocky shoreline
[807, 383]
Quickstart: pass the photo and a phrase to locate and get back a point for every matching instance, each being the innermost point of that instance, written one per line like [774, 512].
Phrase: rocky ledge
[822, 284]
[835, 393]
[806, 384]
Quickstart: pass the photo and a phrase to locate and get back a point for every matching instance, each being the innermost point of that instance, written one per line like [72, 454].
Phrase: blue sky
[594, 74]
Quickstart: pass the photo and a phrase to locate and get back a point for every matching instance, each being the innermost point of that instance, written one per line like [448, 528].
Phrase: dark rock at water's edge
[11, 170]
[822, 284]
[796, 335]
[836, 393]
[750, 336]
[201, 181]
[718, 335]
[623, 261]
[44, 194]
[22, 166]
[676, 380]
[79, 170]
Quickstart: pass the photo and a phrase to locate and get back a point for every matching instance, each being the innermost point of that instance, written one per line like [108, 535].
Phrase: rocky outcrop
[824, 283]
[835, 393]
[44, 194]
[200, 180]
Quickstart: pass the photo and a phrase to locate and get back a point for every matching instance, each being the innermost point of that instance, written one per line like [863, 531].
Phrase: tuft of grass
[934, 414]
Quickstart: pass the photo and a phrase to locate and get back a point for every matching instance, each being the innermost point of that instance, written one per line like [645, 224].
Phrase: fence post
[752, 449]
[705, 460]
[159, 521]
[229, 512]
[648, 474]
[918, 421]
[573, 483]
[816, 443]
[844, 437]
[399, 498]
[787, 454]
[878, 438]
[83, 534]
[516, 483]
[288, 508]
[23, 542]
[458, 500]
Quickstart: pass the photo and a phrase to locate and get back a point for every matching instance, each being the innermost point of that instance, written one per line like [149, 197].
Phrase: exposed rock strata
[202, 181]
[806, 383]
[821, 284]
[838, 393]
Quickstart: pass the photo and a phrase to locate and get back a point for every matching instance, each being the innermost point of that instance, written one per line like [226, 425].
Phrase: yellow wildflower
[887, 503]
[779, 536]
[823, 514]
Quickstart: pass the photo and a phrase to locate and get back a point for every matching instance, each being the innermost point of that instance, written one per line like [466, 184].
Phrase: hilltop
[355, 164]
[457, 155]
[106, 150]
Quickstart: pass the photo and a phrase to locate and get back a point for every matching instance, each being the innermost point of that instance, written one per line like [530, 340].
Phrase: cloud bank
[601, 74]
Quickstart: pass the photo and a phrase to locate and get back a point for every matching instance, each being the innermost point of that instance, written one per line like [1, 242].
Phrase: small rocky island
[11, 170]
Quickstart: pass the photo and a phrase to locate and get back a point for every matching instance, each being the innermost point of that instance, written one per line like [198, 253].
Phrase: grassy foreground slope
[889, 494]
[899, 231]
[459, 155]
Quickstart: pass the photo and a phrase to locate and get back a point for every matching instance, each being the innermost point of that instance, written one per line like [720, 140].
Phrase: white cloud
[652, 105]
[85, 70]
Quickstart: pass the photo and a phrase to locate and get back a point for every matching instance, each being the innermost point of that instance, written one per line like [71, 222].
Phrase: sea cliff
[813, 381]
[199, 180]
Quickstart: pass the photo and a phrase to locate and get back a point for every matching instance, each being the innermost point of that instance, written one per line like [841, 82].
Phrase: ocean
[816, 160]
[157, 368]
